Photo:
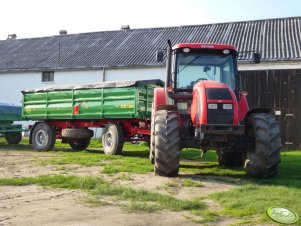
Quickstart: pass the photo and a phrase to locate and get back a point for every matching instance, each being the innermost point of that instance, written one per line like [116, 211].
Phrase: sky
[38, 18]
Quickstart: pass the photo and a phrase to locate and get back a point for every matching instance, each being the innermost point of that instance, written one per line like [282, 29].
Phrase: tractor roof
[203, 46]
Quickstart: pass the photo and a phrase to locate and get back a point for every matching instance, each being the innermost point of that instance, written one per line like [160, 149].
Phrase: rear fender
[243, 108]
[159, 99]
[256, 110]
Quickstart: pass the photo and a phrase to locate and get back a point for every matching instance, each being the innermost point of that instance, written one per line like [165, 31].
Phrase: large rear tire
[13, 137]
[263, 154]
[79, 144]
[113, 139]
[230, 158]
[43, 137]
[167, 143]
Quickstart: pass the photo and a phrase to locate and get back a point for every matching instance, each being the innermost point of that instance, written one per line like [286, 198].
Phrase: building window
[48, 76]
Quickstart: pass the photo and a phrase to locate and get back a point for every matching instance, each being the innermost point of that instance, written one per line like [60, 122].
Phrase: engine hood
[218, 94]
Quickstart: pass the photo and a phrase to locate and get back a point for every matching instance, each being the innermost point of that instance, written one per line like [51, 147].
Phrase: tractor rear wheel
[113, 139]
[79, 144]
[263, 154]
[230, 158]
[167, 143]
[13, 137]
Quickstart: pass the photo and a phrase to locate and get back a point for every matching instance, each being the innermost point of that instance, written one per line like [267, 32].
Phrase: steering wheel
[200, 79]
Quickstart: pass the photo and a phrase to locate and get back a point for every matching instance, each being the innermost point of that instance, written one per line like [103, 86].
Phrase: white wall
[135, 74]
[11, 84]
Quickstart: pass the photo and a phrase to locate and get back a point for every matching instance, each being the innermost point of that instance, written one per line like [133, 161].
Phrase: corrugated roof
[276, 40]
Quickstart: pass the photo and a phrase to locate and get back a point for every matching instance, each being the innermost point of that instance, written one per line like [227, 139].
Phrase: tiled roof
[276, 40]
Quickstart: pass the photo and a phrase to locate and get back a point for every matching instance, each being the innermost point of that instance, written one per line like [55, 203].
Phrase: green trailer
[122, 108]
[8, 115]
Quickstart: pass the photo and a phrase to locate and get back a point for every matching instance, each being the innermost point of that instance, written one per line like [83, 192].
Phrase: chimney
[125, 27]
[11, 37]
[63, 32]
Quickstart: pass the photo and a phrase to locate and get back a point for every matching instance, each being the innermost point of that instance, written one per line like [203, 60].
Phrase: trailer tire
[113, 139]
[263, 154]
[79, 144]
[77, 133]
[43, 137]
[226, 158]
[167, 143]
[13, 137]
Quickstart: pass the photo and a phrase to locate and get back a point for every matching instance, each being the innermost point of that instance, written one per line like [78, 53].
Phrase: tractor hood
[213, 103]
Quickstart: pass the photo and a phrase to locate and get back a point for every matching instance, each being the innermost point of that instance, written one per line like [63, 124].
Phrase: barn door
[277, 89]
[281, 86]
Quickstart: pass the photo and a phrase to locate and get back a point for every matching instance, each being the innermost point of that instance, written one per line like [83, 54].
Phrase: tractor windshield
[195, 67]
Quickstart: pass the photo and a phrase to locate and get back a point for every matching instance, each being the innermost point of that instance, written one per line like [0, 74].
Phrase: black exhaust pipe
[168, 64]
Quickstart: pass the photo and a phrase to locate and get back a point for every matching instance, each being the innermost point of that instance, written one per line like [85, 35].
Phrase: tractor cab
[192, 63]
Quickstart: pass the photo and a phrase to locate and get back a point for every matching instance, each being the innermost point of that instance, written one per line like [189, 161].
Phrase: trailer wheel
[13, 137]
[43, 137]
[230, 158]
[263, 154]
[167, 143]
[77, 133]
[79, 144]
[113, 139]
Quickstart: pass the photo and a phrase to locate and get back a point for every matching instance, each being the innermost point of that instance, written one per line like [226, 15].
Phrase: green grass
[134, 158]
[203, 216]
[191, 183]
[99, 188]
[249, 200]
[254, 196]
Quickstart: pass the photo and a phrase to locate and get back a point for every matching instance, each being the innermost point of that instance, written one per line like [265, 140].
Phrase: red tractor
[201, 106]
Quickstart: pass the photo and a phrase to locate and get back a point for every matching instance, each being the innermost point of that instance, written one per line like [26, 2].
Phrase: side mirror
[160, 56]
[256, 58]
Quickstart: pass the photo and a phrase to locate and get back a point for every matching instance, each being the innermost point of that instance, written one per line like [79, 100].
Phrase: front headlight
[227, 106]
[212, 106]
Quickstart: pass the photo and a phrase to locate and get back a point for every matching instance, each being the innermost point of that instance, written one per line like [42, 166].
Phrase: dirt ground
[35, 205]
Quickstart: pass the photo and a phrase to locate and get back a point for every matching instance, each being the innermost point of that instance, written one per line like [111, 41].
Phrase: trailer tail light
[76, 110]
[212, 106]
[30, 126]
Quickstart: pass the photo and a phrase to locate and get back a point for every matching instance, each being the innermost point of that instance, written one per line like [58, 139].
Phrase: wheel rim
[108, 139]
[40, 138]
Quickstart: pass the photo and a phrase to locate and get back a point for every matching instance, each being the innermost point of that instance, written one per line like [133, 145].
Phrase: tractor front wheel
[167, 143]
[263, 154]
